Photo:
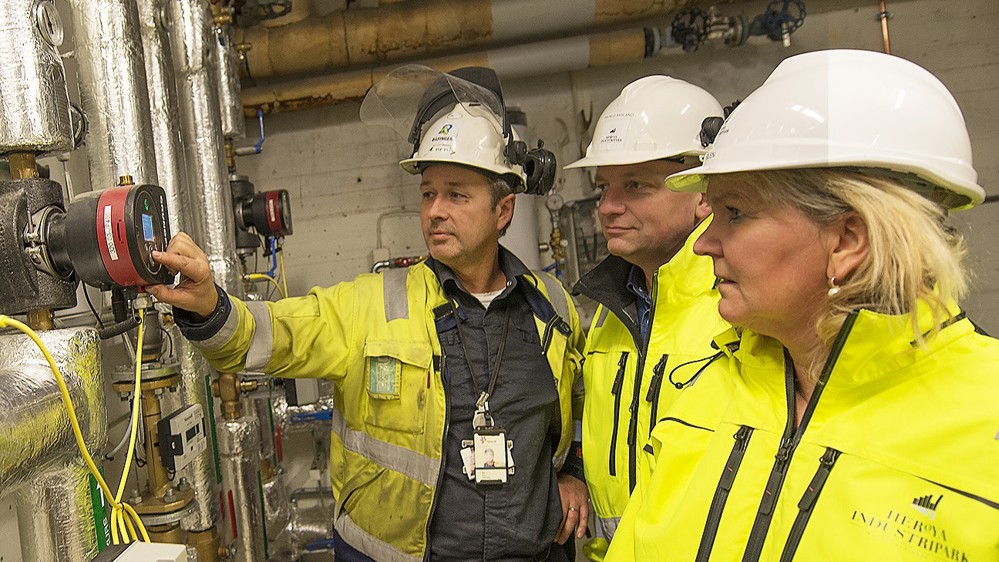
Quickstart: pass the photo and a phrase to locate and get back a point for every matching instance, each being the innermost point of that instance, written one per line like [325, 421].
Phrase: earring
[833, 287]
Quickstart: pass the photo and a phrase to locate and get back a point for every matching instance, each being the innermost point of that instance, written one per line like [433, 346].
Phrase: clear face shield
[411, 96]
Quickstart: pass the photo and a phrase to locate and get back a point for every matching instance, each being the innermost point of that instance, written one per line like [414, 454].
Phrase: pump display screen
[148, 233]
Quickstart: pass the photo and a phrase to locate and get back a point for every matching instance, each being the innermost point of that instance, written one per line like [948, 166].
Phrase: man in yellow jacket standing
[466, 357]
[658, 306]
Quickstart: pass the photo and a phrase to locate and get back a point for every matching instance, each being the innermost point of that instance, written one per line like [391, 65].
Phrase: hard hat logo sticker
[614, 132]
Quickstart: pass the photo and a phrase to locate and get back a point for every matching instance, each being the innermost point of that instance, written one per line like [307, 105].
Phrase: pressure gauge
[48, 22]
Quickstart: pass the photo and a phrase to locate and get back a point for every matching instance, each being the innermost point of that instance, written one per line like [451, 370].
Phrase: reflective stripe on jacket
[628, 385]
[896, 457]
[375, 338]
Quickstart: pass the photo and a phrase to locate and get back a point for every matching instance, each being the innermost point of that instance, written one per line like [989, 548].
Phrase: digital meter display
[148, 233]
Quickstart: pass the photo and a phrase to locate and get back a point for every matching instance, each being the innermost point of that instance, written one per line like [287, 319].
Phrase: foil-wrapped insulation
[309, 524]
[239, 451]
[55, 516]
[233, 126]
[22, 286]
[213, 225]
[294, 419]
[171, 168]
[277, 512]
[201, 474]
[35, 432]
[34, 102]
[268, 426]
[113, 92]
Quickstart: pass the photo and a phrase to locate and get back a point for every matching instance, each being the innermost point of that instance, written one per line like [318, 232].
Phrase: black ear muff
[540, 167]
[515, 152]
[709, 129]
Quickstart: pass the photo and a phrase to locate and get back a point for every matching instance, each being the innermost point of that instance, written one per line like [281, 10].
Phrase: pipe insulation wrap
[213, 224]
[35, 432]
[163, 111]
[233, 125]
[55, 516]
[239, 450]
[113, 91]
[34, 103]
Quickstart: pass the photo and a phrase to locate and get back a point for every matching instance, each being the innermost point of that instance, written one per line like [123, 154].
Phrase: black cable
[169, 340]
[86, 295]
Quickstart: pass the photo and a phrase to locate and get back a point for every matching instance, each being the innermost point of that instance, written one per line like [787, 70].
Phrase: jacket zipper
[616, 392]
[789, 442]
[440, 473]
[807, 502]
[742, 437]
[655, 386]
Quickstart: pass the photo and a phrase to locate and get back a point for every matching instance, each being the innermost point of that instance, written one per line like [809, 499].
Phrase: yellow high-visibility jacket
[375, 337]
[896, 457]
[627, 385]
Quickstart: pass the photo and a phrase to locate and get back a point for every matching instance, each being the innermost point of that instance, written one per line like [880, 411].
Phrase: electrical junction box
[143, 552]
[182, 437]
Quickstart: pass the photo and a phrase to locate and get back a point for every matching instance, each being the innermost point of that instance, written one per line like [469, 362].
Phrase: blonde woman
[862, 410]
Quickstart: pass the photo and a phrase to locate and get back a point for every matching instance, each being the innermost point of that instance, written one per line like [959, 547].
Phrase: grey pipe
[213, 226]
[55, 517]
[164, 108]
[34, 103]
[38, 451]
[239, 446]
[233, 126]
[113, 91]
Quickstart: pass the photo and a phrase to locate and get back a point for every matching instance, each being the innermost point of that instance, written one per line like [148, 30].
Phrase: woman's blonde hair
[913, 253]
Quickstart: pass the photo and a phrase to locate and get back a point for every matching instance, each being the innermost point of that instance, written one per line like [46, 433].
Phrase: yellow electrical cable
[75, 424]
[265, 277]
[126, 525]
[284, 280]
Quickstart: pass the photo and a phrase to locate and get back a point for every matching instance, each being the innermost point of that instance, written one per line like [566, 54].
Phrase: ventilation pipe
[561, 55]
[38, 451]
[394, 32]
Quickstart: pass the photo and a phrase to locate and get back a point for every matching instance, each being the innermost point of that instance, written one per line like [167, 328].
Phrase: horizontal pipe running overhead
[394, 32]
[561, 55]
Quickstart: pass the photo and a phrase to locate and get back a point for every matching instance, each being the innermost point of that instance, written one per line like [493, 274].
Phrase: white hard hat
[468, 135]
[853, 109]
[654, 117]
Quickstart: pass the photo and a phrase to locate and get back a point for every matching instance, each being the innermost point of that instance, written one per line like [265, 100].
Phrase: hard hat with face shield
[849, 109]
[458, 118]
[654, 117]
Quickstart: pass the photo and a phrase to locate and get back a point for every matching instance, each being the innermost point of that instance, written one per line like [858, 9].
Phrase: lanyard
[482, 403]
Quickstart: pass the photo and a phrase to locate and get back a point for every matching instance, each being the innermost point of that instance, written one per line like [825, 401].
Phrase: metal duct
[55, 517]
[409, 30]
[35, 433]
[113, 91]
[34, 103]
[163, 111]
[561, 55]
[213, 226]
[277, 510]
[233, 126]
[239, 449]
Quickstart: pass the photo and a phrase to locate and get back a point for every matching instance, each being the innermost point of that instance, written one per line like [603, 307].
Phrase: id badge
[490, 456]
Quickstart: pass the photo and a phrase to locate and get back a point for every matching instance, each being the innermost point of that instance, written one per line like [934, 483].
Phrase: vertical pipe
[55, 516]
[164, 108]
[211, 202]
[883, 16]
[113, 91]
[34, 103]
[233, 125]
[239, 449]
[172, 172]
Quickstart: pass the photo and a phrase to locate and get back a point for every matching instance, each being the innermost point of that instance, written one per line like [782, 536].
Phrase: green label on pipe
[102, 523]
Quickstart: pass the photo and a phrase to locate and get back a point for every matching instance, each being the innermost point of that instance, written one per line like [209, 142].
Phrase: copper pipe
[883, 16]
[41, 319]
[151, 414]
[22, 165]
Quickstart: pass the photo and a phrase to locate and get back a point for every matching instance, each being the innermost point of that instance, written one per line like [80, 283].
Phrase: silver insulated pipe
[164, 108]
[233, 126]
[113, 91]
[239, 450]
[34, 104]
[171, 170]
[213, 227]
[38, 453]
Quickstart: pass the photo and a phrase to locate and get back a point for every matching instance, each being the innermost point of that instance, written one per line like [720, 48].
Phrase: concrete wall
[343, 175]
